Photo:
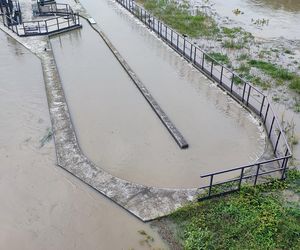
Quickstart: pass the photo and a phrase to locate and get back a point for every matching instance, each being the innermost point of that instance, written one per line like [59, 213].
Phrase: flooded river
[282, 15]
[42, 206]
[116, 127]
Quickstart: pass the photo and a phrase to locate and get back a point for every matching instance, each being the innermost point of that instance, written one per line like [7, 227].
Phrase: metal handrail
[225, 80]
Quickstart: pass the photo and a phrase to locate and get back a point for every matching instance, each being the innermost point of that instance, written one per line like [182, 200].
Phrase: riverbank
[262, 217]
[270, 64]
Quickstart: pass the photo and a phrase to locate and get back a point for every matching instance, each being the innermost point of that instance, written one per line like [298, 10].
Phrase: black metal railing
[241, 90]
[65, 19]
[41, 27]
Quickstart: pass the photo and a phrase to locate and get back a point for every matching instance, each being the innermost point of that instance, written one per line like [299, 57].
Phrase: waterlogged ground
[42, 206]
[119, 131]
[281, 16]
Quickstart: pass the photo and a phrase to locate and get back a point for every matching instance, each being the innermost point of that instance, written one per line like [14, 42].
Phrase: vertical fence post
[46, 26]
[166, 32]
[271, 126]
[211, 68]
[262, 105]
[284, 165]
[276, 145]
[249, 91]
[177, 41]
[256, 175]
[210, 185]
[191, 52]
[183, 45]
[171, 36]
[195, 54]
[267, 111]
[241, 178]
[221, 76]
[244, 90]
[203, 58]
[232, 81]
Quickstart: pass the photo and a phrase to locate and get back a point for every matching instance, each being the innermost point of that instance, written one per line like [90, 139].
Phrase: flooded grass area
[119, 132]
[43, 206]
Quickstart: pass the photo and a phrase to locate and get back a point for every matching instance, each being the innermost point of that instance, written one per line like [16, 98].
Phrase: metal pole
[249, 91]
[262, 105]
[271, 126]
[256, 176]
[210, 185]
[276, 145]
[241, 178]
[267, 111]
[221, 77]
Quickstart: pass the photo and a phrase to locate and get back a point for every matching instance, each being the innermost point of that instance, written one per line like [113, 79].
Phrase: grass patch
[231, 44]
[243, 57]
[219, 57]
[231, 32]
[254, 218]
[272, 69]
[179, 17]
[295, 85]
[278, 73]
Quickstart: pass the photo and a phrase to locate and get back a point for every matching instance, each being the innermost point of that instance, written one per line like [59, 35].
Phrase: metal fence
[241, 90]
[66, 19]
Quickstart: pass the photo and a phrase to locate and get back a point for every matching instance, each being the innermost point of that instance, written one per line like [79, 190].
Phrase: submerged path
[145, 202]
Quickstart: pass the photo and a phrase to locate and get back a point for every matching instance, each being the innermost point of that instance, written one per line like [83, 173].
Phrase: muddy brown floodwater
[283, 16]
[116, 127]
[42, 206]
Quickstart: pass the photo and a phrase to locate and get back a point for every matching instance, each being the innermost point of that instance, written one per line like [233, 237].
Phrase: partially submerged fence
[241, 90]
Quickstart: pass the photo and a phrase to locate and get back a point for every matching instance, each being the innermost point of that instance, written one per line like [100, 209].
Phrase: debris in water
[147, 239]
[46, 138]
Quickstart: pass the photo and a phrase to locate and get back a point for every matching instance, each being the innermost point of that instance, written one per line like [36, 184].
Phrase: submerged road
[116, 128]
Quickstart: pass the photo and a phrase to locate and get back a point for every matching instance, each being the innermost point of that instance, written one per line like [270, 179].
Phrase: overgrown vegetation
[219, 57]
[255, 218]
[278, 73]
[178, 16]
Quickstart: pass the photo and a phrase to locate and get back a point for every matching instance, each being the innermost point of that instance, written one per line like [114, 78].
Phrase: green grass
[231, 44]
[254, 218]
[295, 85]
[278, 73]
[179, 17]
[219, 57]
[231, 32]
[272, 69]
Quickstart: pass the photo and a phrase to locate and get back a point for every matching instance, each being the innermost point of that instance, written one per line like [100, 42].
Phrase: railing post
[256, 175]
[177, 41]
[232, 81]
[203, 58]
[183, 45]
[211, 68]
[210, 185]
[46, 26]
[171, 36]
[249, 91]
[221, 76]
[284, 165]
[244, 90]
[166, 32]
[267, 111]
[195, 54]
[276, 145]
[271, 126]
[57, 23]
[262, 105]
[241, 178]
[191, 52]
